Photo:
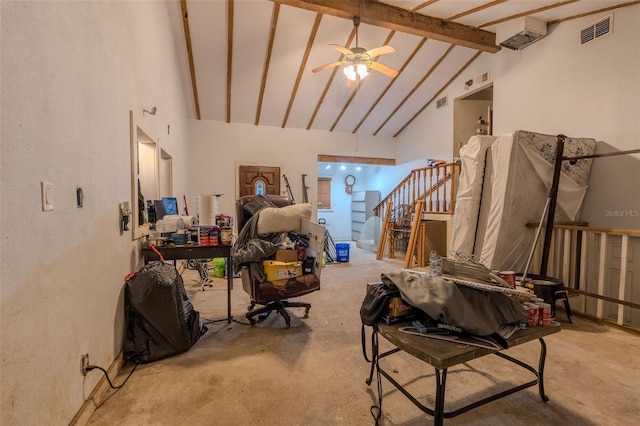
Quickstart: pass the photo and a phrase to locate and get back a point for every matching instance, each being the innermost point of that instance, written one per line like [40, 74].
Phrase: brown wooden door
[255, 179]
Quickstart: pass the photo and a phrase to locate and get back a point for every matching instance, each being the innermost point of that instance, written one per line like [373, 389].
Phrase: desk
[443, 354]
[196, 251]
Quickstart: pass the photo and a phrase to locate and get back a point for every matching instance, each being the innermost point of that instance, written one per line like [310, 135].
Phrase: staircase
[426, 194]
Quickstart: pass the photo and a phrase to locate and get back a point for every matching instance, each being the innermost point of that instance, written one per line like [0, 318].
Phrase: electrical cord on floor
[96, 367]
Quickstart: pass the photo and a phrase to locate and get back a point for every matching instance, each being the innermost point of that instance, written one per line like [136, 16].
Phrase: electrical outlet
[84, 364]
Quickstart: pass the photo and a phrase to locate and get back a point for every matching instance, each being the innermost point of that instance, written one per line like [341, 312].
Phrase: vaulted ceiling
[250, 61]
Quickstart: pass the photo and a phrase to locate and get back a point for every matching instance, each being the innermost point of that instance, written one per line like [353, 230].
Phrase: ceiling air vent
[520, 33]
[596, 30]
[441, 103]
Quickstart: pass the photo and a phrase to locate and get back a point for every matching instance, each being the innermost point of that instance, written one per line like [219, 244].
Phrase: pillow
[283, 219]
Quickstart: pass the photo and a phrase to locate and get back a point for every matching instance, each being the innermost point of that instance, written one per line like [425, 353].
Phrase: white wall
[218, 148]
[556, 86]
[71, 71]
[338, 218]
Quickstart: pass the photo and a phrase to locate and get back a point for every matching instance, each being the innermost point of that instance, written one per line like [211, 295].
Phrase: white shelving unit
[362, 204]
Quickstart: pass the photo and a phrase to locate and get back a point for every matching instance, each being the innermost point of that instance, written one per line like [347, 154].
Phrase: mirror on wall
[166, 174]
[144, 175]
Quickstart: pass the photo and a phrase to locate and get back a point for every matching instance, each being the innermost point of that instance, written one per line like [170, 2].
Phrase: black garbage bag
[161, 321]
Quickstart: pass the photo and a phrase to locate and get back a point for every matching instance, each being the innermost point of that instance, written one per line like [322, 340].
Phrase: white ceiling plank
[207, 22]
[332, 30]
[251, 34]
[252, 21]
[292, 34]
[508, 8]
[443, 9]
[430, 53]
[441, 75]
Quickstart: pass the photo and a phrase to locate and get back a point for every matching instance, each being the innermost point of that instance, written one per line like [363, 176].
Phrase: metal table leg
[441, 381]
[543, 356]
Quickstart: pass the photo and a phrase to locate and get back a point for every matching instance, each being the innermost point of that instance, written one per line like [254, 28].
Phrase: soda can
[533, 315]
[509, 277]
[544, 313]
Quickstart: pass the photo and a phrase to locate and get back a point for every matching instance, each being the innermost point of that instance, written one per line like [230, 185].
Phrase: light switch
[47, 196]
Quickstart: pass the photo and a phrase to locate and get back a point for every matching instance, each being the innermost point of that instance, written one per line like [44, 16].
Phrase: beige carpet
[314, 373]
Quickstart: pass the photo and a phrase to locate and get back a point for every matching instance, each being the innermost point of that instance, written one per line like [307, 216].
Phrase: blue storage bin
[343, 252]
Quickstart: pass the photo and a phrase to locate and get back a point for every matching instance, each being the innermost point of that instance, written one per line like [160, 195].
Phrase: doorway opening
[472, 115]
[354, 190]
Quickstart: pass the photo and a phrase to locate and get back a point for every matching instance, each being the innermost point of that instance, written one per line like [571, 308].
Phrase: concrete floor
[314, 373]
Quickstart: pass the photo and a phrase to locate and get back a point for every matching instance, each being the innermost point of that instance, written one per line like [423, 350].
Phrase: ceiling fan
[359, 61]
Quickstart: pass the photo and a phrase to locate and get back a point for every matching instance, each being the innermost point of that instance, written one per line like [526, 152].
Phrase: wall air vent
[441, 103]
[482, 78]
[596, 30]
[520, 33]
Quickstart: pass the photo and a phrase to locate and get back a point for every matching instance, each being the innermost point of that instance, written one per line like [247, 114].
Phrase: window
[324, 193]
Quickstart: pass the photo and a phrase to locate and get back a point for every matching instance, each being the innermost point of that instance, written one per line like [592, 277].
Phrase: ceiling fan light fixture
[362, 70]
[353, 72]
[350, 72]
[357, 61]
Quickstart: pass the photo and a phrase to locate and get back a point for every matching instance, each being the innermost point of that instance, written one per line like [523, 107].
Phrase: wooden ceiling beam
[303, 64]
[229, 55]
[417, 85]
[267, 60]
[358, 85]
[397, 19]
[356, 160]
[453, 77]
[330, 81]
[393, 80]
[192, 68]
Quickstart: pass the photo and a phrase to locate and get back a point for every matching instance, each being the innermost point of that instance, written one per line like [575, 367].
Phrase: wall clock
[349, 181]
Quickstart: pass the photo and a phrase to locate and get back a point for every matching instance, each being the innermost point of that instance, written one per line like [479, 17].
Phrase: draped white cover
[505, 184]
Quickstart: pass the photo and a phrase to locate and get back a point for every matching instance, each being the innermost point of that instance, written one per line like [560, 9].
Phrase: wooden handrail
[618, 231]
[433, 184]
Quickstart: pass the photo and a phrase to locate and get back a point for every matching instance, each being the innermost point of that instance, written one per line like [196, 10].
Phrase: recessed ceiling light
[328, 166]
[343, 167]
[358, 168]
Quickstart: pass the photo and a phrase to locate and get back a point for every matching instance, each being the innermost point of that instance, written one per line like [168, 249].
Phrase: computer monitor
[170, 205]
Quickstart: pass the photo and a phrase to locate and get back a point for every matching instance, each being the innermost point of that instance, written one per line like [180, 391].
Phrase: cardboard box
[286, 256]
[281, 270]
[398, 307]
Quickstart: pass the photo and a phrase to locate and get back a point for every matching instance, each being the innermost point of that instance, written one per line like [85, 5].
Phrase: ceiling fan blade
[379, 51]
[324, 67]
[382, 68]
[341, 49]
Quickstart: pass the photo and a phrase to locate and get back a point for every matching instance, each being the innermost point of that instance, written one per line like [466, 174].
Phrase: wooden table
[444, 354]
[196, 251]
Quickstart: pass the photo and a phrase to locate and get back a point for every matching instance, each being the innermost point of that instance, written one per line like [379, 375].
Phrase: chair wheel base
[278, 306]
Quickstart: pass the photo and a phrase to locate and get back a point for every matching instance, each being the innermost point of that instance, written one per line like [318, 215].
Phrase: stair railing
[436, 185]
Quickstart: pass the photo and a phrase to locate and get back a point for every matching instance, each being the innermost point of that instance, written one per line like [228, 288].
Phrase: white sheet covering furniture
[465, 219]
[491, 217]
